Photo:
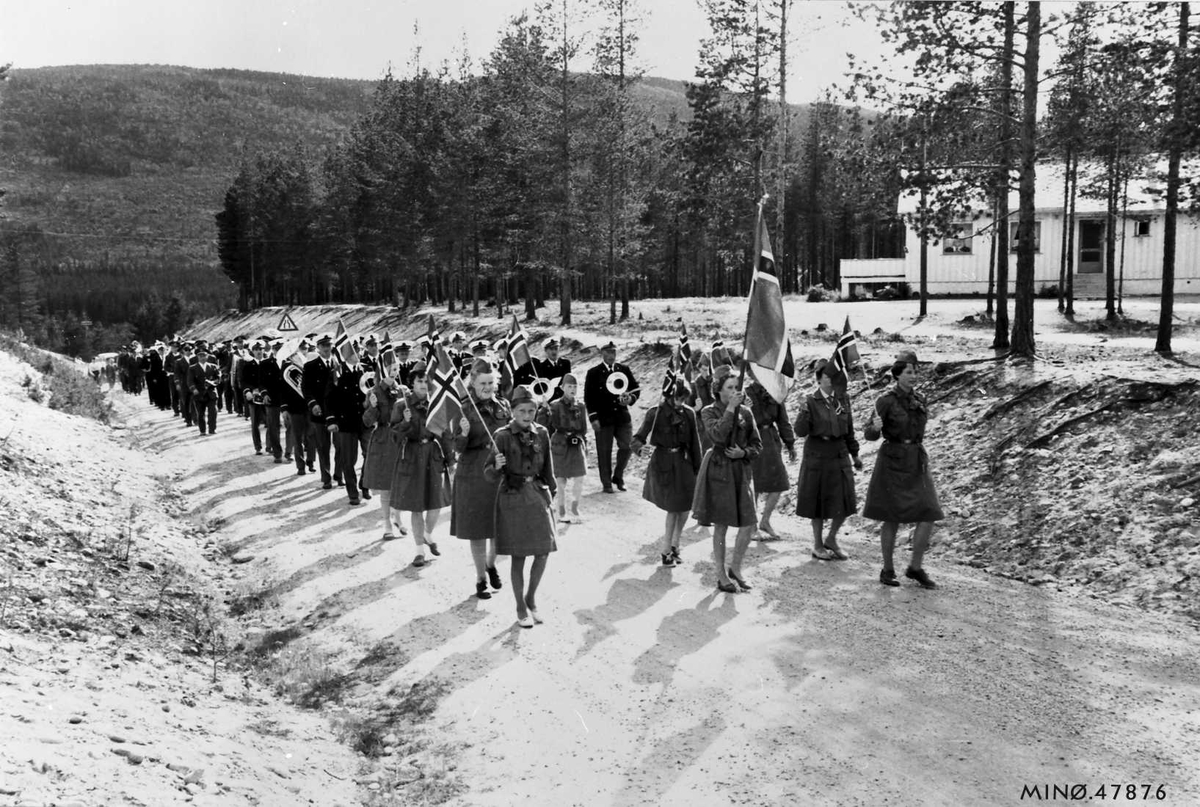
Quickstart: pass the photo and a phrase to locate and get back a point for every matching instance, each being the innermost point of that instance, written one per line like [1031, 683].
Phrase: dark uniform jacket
[270, 379]
[345, 402]
[601, 404]
[203, 379]
[317, 378]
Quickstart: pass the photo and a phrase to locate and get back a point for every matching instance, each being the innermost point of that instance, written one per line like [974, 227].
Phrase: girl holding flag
[421, 480]
[385, 408]
[567, 421]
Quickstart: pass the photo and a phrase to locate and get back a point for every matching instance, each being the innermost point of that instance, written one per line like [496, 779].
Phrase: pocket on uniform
[719, 471]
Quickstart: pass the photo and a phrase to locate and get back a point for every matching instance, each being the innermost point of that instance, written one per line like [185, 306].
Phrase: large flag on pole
[344, 347]
[768, 353]
[685, 351]
[387, 357]
[670, 380]
[845, 357]
[446, 392]
[518, 348]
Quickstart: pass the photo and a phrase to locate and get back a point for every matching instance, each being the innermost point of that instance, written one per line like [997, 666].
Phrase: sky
[362, 38]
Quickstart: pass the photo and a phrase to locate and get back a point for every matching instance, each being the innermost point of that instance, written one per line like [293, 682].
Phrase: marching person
[303, 438]
[318, 376]
[270, 382]
[567, 422]
[253, 393]
[183, 363]
[421, 479]
[370, 355]
[722, 498]
[404, 364]
[385, 408]
[552, 366]
[157, 382]
[237, 370]
[825, 487]
[901, 489]
[609, 415]
[472, 518]
[670, 428]
[521, 465]
[344, 405]
[770, 474]
[203, 382]
[225, 362]
[504, 374]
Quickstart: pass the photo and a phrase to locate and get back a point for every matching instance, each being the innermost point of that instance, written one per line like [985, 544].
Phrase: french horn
[543, 388]
[617, 383]
[367, 381]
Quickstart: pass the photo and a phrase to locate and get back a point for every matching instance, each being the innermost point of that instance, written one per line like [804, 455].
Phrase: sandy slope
[646, 686]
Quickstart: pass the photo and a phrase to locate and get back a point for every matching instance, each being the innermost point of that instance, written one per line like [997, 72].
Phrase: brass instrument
[367, 382]
[543, 389]
[294, 377]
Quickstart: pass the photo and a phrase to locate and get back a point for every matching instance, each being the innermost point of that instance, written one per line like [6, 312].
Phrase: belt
[824, 438]
[674, 450]
[904, 442]
[529, 478]
[425, 440]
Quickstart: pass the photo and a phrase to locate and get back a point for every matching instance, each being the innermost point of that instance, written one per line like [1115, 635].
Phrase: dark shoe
[737, 578]
[433, 548]
[355, 502]
[609, 490]
[675, 553]
[327, 485]
[419, 561]
[366, 494]
[669, 560]
[311, 469]
[287, 457]
[300, 472]
[481, 590]
[387, 536]
[888, 577]
[258, 452]
[279, 460]
[822, 554]
[494, 578]
[728, 588]
[339, 482]
[620, 483]
[836, 553]
[920, 576]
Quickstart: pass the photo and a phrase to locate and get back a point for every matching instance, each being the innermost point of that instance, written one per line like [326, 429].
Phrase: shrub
[69, 389]
[820, 294]
[1048, 291]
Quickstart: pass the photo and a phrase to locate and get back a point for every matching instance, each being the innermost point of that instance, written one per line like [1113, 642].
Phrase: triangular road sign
[286, 324]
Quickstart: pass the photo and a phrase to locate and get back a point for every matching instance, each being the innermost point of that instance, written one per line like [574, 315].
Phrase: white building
[960, 265]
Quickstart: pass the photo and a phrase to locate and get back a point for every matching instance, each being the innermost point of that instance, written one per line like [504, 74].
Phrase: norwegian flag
[845, 357]
[685, 351]
[387, 357]
[768, 352]
[343, 347]
[518, 348]
[670, 380]
[446, 392]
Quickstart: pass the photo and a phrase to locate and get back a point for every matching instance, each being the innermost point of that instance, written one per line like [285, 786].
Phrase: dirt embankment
[115, 652]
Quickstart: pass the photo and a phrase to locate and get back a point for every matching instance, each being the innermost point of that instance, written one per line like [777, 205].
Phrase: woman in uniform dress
[825, 489]
[670, 482]
[723, 497]
[421, 479]
[520, 464]
[567, 422]
[901, 489]
[385, 408]
[472, 518]
[770, 474]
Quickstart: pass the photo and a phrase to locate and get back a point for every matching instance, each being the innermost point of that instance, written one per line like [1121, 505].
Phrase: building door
[1091, 247]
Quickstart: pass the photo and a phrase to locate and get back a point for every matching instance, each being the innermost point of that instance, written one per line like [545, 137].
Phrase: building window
[1013, 243]
[958, 240]
[1141, 228]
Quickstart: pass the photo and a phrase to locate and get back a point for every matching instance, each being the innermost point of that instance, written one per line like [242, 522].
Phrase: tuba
[544, 388]
[367, 382]
[294, 376]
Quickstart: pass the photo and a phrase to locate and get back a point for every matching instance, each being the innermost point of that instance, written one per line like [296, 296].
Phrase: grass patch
[300, 674]
[68, 388]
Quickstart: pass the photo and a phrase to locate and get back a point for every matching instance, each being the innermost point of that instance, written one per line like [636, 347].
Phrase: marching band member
[825, 487]
[203, 380]
[552, 366]
[270, 381]
[300, 428]
[521, 465]
[421, 479]
[609, 415]
[722, 498]
[318, 376]
[252, 392]
[671, 429]
[567, 422]
[344, 405]
[472, 517]
[902, 489]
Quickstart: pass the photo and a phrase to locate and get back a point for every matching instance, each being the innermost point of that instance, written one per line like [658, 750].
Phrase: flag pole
[757, 256]
[481, 420]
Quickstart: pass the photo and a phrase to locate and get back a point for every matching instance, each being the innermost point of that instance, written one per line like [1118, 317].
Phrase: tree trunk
[1110, 242]
[1001, 341]
[1073, 168]
[1174, 154]
[1062, 259]
[991, 287]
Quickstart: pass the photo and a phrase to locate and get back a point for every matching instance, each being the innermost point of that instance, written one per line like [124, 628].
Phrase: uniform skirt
[524, 521]
[901, 488]
[723, 492]
[473, 516]
[670, 481]
[826, 485]
[421, 481]
[570, 461]
[380, 460]
[770, 475]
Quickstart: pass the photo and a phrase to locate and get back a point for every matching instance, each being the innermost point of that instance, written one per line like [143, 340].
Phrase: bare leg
[764, 523]
[518, 585]
[680, 519]
[536, 570]
[920, 543]
[576, 492]
[744, 534]
[887, 541]
[719, 552]
[479, 555]
[835, 524]
[417, 520]
[385, 506]
[431, 521]
[397, 517]
[491, 554]
[818, 525]
[562, 497]
[672, 521]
